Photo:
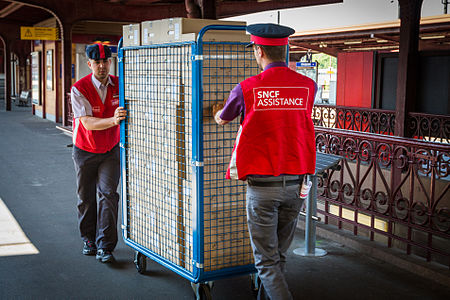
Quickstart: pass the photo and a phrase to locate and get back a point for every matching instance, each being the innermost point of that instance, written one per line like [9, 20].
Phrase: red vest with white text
[97, 141]
[277, 134]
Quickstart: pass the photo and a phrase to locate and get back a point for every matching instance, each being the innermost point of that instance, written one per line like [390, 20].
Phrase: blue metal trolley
[178, 208]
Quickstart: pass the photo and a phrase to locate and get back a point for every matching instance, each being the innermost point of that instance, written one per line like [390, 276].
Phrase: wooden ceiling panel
[384, 36]
[224, 8]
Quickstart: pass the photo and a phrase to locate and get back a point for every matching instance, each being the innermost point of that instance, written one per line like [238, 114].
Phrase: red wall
[354, 79]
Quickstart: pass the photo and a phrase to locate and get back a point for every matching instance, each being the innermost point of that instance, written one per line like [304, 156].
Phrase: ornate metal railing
[394, 189]
[354, 118]
[434, 128]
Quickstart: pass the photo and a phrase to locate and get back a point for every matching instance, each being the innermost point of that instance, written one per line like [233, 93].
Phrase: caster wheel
[140, 261]
[202, 291]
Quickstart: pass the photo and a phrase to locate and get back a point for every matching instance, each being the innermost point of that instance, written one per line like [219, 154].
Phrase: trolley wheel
[202, 291]
[140, 261]
[255, 282]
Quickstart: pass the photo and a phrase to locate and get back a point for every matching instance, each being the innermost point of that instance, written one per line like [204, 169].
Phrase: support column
[22, 73]
[66, 61]
[408, 63]
[407, 79]
[8, 75]
[201, 9]
[193, 9]
[208, 9]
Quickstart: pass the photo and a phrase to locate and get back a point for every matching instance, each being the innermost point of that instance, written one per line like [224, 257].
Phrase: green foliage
[325, 61]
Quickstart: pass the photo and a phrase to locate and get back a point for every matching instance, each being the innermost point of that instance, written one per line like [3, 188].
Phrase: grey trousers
[272, 214]
[98, 175]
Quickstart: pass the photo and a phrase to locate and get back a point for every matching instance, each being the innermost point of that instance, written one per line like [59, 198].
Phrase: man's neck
[104, 81]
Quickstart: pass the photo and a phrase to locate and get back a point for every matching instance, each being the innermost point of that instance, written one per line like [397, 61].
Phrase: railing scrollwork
[400, 182]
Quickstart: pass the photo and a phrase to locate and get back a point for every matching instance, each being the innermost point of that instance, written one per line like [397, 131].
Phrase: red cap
[269, 34]
[269, 41]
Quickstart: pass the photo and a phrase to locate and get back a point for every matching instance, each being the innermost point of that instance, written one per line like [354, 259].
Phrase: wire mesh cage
[158, 203]
[178, 208]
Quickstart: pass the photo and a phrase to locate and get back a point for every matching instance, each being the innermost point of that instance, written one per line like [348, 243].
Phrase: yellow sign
[39, 33]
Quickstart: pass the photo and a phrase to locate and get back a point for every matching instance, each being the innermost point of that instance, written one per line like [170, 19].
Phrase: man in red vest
[96, 154]
[274, 149]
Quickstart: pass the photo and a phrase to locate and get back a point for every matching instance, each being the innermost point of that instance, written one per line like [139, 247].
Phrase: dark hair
[274, 53]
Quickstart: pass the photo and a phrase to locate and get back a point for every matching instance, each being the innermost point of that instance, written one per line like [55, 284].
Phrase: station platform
[37, 186]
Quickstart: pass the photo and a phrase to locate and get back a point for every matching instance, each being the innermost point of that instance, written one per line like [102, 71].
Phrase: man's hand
[119, 115]
[216, 108]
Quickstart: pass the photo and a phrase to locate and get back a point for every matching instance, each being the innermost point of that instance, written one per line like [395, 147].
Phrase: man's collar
[275, 64]
[97, 82]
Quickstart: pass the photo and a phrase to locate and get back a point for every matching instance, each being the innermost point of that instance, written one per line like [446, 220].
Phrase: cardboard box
[149, 31]
[217, 36]
[131, 35]
[175, 30]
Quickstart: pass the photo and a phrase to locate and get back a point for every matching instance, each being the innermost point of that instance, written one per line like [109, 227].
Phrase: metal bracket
[197, 57]
[124, 226]
[197, 163]
[198, 265]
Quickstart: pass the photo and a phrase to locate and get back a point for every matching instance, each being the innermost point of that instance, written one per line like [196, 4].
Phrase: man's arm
[231, 108]
[93, 123]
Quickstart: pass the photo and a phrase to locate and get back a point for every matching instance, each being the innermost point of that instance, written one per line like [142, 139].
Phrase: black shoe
[89, 248]
[105, 256]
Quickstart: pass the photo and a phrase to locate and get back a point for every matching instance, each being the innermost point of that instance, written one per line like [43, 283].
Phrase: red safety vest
[277, 134]
[97, 141]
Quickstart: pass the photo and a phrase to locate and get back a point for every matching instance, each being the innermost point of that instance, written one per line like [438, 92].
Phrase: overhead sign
[302, 64]
[39, 33]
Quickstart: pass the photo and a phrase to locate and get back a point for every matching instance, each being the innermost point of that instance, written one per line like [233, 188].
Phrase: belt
[273, 183]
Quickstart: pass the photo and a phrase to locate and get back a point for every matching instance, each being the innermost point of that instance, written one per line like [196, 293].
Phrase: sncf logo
[280, 98]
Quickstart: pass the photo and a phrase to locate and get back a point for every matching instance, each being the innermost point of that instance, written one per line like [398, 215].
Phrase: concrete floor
[37, 185]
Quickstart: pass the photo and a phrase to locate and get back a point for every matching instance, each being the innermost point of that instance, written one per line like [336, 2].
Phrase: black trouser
[98, 174]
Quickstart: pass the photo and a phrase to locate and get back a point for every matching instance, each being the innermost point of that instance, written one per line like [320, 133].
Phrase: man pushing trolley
[95, 104]
[274, 149]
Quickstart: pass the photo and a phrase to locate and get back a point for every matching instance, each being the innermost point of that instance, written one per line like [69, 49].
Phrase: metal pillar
[8, 75]
[66, 61]
[408, 64]
[310, 227]
[323, 163]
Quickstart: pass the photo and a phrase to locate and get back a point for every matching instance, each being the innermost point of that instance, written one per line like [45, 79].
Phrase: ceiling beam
[236, 8]
[344, 35]
[424, 45]
[107, 11]
[10, 9]
[208, 8]
[327, 50]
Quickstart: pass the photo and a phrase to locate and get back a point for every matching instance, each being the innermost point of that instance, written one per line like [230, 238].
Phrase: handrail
[422, 126]
[405, 141]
